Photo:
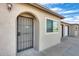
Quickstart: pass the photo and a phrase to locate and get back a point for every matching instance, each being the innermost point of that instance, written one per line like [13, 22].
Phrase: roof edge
[47, 10]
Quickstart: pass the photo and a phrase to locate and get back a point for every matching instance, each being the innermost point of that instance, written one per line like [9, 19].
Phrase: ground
[69, 46]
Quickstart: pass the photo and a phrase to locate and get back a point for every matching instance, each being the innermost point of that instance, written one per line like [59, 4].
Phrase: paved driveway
[68, 47]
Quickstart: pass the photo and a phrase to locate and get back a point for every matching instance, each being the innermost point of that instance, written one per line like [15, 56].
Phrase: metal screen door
[24, 33]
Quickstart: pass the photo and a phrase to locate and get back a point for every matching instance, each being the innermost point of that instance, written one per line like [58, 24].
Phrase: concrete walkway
[68, 47]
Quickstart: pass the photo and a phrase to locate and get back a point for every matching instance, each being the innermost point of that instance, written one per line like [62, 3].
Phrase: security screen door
[24, 33]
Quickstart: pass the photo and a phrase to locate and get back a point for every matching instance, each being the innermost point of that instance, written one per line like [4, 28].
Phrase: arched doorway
[26, 35]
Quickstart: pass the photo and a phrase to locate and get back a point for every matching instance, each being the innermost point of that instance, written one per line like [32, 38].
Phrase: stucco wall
[49, 39]
[73, 30]
[8, 28]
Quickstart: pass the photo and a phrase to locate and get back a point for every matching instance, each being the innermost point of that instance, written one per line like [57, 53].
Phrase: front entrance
[65, 31]
[24, 33]
[62, 30]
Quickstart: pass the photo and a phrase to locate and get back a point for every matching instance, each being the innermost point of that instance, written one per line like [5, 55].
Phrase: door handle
[18, 34]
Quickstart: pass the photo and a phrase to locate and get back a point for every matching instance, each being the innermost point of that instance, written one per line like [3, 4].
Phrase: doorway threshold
[29, 52]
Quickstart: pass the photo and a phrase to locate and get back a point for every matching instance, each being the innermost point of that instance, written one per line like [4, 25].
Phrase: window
[55, 26]
[52, 26]
[49, 25]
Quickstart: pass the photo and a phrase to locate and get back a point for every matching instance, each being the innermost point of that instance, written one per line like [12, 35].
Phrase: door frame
[68, 30]
[32, 34]
[62, 30]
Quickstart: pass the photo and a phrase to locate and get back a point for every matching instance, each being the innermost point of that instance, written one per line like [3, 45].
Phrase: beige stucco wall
[8, 28]
[73, 30]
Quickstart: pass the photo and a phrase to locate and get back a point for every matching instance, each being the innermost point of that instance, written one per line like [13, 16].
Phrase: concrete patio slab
[68, 47]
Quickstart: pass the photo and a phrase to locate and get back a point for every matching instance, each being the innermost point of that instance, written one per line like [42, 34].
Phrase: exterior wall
[64, 29]
[73, 30]
[8, 28]
[7, 32]
[49, 39]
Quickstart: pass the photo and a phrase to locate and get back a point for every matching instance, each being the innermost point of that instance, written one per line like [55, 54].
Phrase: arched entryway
[27, 31]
